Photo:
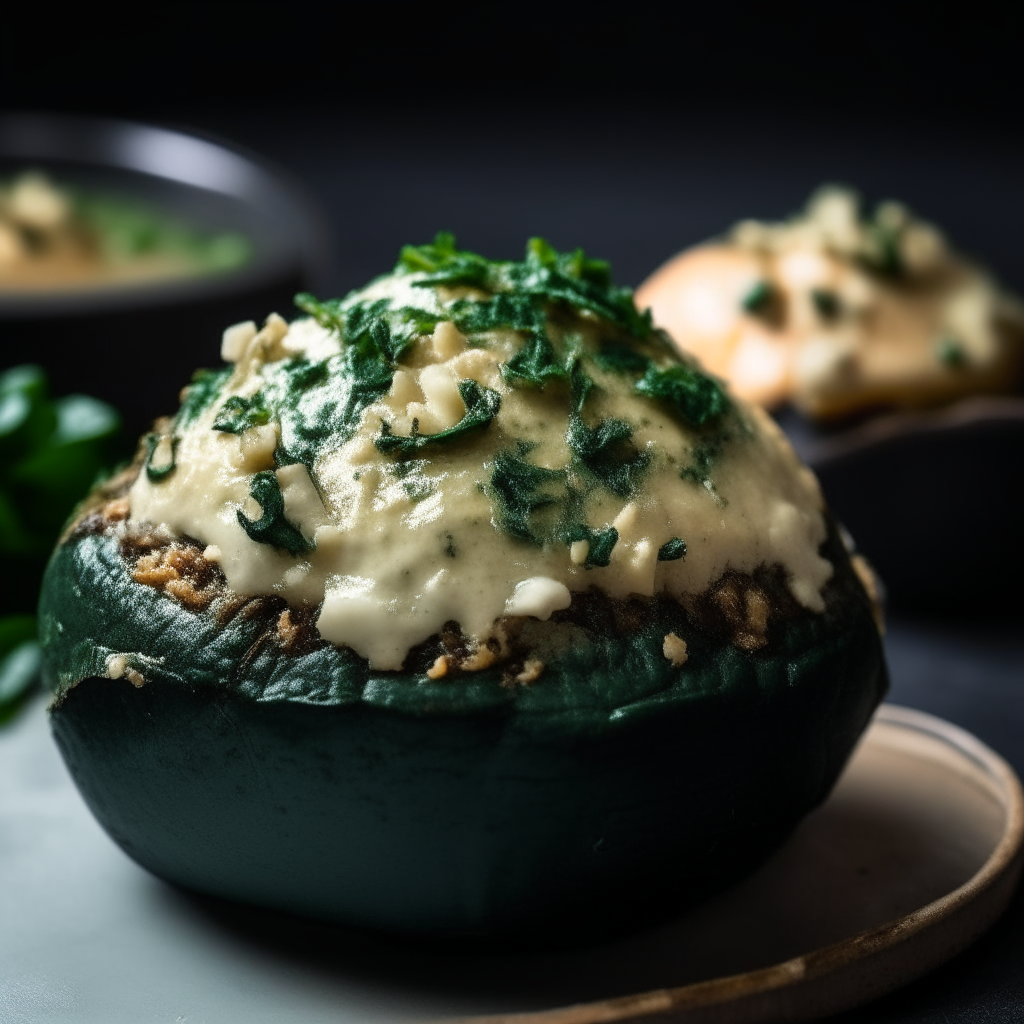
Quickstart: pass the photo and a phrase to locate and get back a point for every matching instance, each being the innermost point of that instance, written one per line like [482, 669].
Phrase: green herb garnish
[621, 357]
[704, 455]
[155, 474]
[203, 390]
[600, 544]
[544, 274]
[827, 303]
[608, 453]
[272, 527]
[693, 396]
[416, 484]
[238, 414]
[760, 299]
[482, 405]
[520, 490]
[672, 550]
[950, 352]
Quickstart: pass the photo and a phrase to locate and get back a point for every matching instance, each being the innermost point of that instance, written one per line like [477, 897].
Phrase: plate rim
[839, 976]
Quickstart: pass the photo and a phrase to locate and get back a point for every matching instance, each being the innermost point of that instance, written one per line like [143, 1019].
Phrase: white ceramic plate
[914, 855]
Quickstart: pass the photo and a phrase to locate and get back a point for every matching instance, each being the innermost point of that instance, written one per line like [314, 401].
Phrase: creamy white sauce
[391, 569]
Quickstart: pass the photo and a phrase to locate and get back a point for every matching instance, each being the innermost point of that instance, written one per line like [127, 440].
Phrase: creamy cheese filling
[393, 547]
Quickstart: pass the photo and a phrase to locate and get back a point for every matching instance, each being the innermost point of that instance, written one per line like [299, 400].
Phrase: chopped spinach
[672, 550]
[272, 527]
[950, 352]
[445, 264]
[620, 357]
[376, 329]
[482, 405]
[416, 484]
[693, 396]
[157, 473]
[581, 386]
[578, 282]
[760, 299]
[600, 544]
[827, 303]
[206, 385]
[535, 364]
[318, 404]
[608, 453]
[238, 414]
[521, 489]
[544, 275]
[704, 454]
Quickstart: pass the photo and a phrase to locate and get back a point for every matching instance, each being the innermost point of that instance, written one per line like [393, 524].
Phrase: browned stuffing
[181, 571]
[108, 502]
[532, 669]
[287, 630]
[440, 667]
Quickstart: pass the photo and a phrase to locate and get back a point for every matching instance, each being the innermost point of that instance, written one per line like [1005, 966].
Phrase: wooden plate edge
[850, 972]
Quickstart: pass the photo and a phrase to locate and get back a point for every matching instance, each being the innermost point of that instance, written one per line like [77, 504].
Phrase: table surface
[635, 190]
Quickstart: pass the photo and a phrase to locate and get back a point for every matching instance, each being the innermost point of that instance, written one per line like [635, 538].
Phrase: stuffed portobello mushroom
[462, 606]
[842, 312]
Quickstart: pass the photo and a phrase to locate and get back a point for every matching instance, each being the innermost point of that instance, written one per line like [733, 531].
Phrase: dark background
[632, 132]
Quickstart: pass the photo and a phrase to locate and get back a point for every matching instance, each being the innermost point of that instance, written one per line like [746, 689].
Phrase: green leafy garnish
[694, 397]
[482, 405]
[272, 527]
[319, 404]
[760, 299]
[238, 414]
[125, 230]
[600, 544]
[620, 357]
[155, 474]
[950, 352]
[827, 303]
[608, 453]
[376, 329]
[415, 482]
[543, 274]
[204, 389]
[579, 282]
[704, 456]
[535, 364]
[521, 490]
[672, 550]
[445, 264]
[51, 452]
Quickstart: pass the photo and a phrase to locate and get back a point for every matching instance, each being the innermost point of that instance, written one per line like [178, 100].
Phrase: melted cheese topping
[399, 549]
[854, 313]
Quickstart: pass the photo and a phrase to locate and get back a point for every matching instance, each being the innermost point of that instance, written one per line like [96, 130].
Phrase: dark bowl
[135, 345]
[933, 499]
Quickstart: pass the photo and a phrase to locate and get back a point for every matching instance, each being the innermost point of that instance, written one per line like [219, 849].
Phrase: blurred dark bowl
[136, 345]
[935, 500]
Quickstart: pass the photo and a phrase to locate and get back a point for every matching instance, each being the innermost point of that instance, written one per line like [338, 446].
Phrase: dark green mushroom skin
[613, 791]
